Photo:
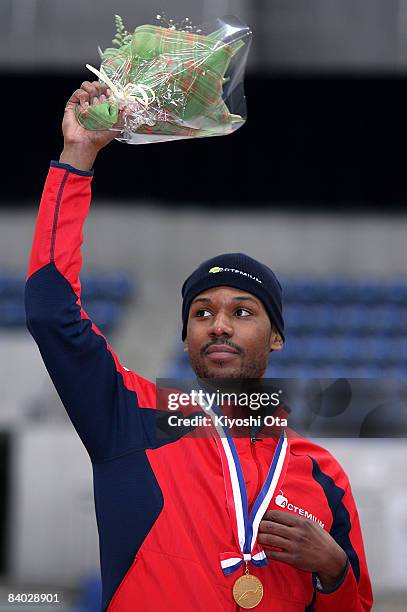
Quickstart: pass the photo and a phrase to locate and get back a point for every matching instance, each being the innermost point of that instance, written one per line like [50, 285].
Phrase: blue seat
[12, 313]
[117, 286]
[368, 292]
[11, 286]
[342, 327]
[90, 595]
[101, 297]
[397, 293]
[104, 314]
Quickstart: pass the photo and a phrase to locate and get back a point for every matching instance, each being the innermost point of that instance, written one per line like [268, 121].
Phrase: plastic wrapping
[171, 83]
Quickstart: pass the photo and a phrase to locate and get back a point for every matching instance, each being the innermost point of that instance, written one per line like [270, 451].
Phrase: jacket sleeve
[102, 398]
[353, 592]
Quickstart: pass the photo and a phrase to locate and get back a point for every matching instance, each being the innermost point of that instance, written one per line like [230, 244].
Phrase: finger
[90, 89]
[267, 539]
[94, 88]
[278, 555]
[78, 97]
[276, 528]
[283, 518]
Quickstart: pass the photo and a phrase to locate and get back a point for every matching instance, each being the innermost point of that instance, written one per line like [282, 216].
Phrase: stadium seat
[337, 328]
[103, 298]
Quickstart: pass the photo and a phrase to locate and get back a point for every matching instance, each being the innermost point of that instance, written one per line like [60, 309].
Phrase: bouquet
[169, 83]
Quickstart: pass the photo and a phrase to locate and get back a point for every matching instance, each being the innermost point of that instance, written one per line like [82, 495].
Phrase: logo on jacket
[282, 501]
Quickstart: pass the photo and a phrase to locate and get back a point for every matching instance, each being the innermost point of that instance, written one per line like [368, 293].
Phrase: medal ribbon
[245, 527]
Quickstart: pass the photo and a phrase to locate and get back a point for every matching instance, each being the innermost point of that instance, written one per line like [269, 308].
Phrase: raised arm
[100, 395]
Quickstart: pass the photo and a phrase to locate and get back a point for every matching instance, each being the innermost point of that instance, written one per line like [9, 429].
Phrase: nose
[220, 326]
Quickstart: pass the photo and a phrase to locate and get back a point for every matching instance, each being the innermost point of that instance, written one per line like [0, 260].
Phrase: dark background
[309, 140]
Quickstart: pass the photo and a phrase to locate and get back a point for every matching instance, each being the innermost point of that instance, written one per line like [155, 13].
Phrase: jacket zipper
[256, 460]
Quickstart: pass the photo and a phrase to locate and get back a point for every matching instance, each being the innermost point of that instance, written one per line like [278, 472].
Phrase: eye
[202, 313]
[242, 312]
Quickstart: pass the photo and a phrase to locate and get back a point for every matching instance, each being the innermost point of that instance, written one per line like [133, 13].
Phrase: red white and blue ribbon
[245, 526]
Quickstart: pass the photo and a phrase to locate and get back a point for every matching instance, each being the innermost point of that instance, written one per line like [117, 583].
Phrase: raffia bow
[132, 92]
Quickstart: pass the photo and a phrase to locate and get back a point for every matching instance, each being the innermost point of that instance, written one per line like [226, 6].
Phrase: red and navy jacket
[160, 504]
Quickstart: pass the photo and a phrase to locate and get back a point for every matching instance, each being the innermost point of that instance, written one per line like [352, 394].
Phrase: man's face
[229, 334]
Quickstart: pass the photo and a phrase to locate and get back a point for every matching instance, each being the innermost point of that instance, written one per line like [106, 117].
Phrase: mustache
[221, 342]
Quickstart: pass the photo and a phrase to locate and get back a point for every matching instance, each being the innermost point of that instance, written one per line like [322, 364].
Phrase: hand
[81, 146]
[303, 544]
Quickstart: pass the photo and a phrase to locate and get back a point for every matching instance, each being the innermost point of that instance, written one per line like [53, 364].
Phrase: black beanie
[240, 271]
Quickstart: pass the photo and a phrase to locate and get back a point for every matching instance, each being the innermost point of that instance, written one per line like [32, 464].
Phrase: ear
[186, 347]
[276, 341]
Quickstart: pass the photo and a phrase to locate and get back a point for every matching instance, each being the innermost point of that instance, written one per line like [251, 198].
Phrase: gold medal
[247, 591]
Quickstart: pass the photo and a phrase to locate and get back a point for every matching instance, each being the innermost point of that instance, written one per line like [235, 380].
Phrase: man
[168, 524]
